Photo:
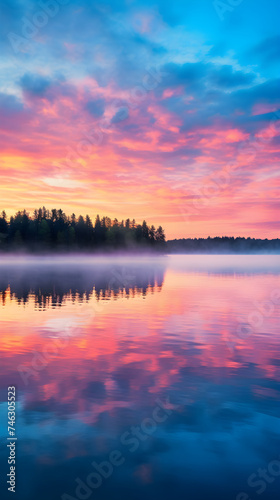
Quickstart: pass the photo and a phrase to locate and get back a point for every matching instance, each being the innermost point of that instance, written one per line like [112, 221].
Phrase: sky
[166, 111]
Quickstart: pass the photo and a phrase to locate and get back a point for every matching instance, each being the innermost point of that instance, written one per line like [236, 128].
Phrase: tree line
[223, 244]
[53, 229]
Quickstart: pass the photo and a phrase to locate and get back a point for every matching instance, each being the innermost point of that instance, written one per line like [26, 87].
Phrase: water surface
[169, 368]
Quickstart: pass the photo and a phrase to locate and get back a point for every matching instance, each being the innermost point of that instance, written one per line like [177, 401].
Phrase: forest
[223, 245]
[52, 229]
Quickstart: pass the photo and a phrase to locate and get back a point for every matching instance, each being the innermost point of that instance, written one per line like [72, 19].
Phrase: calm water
[143, 380]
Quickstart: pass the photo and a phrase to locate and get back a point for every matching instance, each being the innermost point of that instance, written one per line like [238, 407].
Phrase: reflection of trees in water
[51, 285]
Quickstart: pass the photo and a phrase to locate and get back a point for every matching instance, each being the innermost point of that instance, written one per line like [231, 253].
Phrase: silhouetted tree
[54, 229]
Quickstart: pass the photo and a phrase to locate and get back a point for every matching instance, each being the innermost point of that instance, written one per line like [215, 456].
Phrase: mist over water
[93, 343]
[248, 264]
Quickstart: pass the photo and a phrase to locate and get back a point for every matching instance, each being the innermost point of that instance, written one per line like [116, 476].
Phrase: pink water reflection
[207, 339]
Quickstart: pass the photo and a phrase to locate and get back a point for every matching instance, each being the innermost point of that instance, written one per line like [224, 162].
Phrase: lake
[142, 378]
